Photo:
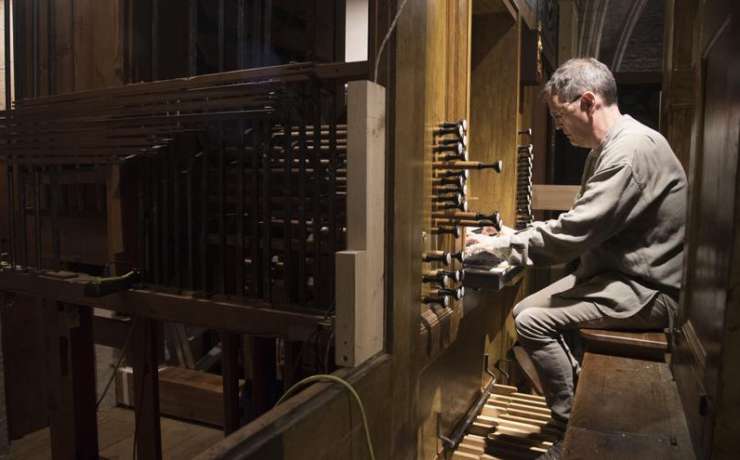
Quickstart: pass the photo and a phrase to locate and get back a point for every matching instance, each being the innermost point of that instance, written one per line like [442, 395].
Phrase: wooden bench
[626, 408]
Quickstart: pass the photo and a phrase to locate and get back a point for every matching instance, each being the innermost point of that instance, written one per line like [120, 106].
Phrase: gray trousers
[545, 324]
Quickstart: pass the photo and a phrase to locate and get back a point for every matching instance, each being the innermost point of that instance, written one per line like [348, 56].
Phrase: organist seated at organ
[626, 227]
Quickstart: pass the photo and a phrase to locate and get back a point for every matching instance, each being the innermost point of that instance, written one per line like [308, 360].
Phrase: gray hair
[578, 75]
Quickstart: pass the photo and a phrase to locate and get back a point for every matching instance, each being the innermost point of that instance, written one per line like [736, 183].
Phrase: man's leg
[540, 321]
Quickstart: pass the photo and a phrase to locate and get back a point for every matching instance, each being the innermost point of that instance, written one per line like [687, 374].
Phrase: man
[626, 226]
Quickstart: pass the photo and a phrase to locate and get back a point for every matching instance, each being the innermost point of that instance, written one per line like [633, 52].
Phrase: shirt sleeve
[610, 199]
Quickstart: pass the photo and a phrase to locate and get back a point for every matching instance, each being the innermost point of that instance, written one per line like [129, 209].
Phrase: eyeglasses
[558, 115]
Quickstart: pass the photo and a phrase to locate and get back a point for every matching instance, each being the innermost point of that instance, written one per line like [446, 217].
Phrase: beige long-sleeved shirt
[626, 225]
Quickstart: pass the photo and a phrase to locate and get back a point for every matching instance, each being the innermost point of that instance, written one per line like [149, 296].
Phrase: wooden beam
[257, 317]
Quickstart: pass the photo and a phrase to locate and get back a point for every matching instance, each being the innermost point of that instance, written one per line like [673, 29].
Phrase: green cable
[335, 379]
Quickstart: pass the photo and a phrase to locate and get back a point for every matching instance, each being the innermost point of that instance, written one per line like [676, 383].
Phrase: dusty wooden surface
[626, 408]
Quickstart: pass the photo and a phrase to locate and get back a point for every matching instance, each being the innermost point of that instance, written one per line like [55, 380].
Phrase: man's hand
[475, 243]
[505, 245]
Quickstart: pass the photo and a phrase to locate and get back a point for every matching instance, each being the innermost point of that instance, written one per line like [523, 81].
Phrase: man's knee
[525, 304]
[527, 322]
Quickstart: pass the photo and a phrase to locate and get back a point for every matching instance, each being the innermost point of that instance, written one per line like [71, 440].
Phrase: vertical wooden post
[360, 269]
[230, 364]
[71, 378]
[145, 347]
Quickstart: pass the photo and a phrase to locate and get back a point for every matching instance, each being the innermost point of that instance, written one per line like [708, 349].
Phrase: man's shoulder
[633, 142]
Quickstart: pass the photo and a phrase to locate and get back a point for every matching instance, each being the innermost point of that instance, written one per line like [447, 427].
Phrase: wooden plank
[360, 298]
[554, 197]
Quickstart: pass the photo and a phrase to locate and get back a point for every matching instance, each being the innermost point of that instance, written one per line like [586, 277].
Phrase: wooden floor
[116, 436]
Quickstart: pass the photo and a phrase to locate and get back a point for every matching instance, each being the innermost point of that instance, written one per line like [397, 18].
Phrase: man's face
[573, 118]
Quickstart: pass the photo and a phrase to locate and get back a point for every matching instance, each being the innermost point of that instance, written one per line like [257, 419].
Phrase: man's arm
[610, 199]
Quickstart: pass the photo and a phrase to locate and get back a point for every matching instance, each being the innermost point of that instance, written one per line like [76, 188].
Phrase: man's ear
[588, 101]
